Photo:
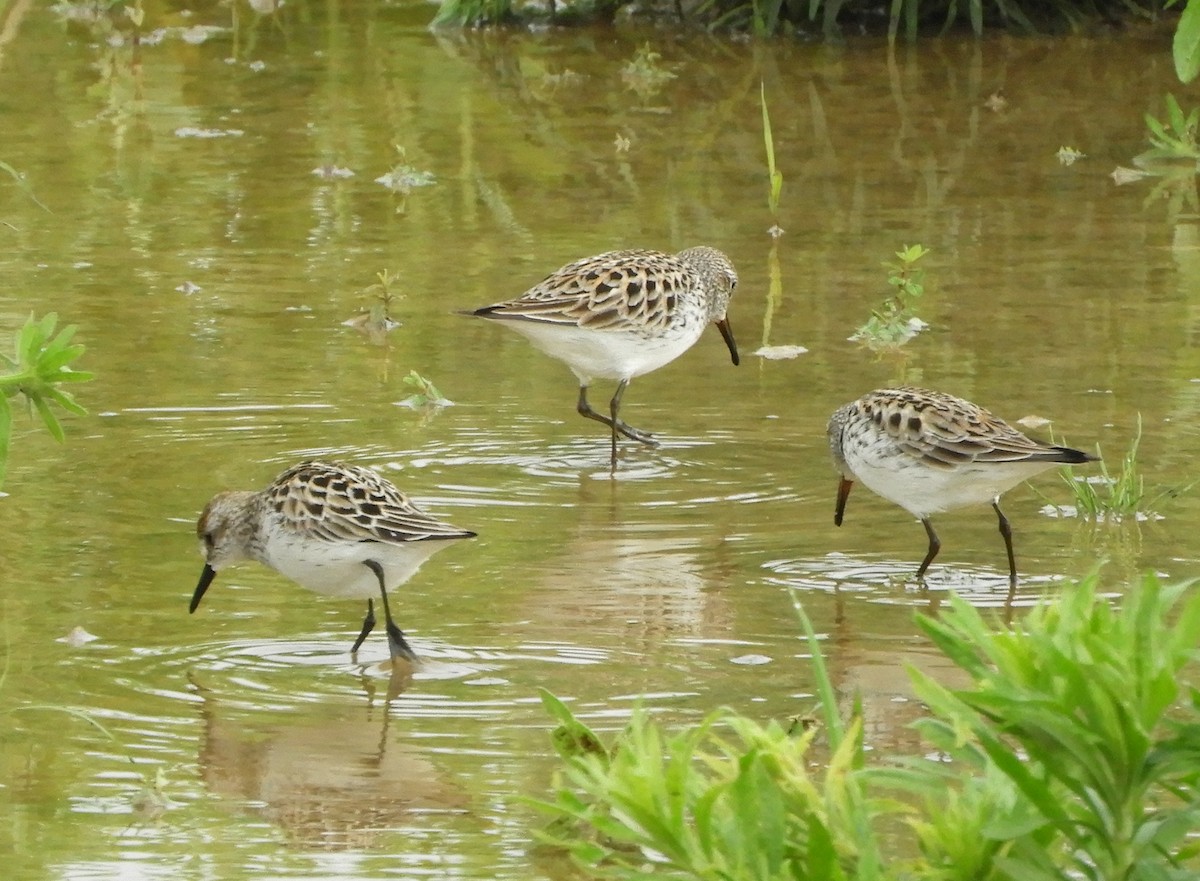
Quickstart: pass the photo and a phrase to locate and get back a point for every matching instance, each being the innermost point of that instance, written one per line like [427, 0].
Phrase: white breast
[609, 354]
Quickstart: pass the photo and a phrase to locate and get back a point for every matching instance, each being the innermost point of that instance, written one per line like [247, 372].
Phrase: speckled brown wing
[618, 290]
[337, 502]
[945, 431]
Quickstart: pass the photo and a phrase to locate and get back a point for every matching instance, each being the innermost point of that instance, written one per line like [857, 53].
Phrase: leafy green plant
[426, 395]
[1172, 138]
[646, 73]
[377, 321]
[895, 322]
[41, 363]
[729, 798]
[1074, 753]
[1075, 718]
[404, 177]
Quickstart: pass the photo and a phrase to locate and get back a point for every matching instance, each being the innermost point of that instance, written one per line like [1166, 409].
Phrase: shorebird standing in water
[623, 314]
[930, 452]
[336, 529]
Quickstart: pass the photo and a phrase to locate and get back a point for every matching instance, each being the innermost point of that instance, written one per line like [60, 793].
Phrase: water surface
[195, 217]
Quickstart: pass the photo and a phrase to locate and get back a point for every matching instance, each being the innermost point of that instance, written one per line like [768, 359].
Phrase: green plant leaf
[52, 424]
[64, 400]
[1186, 46]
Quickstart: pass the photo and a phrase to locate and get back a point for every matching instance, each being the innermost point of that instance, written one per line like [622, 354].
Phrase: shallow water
[210, 271]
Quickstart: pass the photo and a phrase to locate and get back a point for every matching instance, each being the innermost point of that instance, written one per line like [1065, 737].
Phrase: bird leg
[615, 424]
[1006, 531]
[368, 626]
[398, 646]
[935, 545]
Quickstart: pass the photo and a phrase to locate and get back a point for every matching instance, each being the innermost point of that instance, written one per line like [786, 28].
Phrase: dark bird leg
[628, 430]
[1006, 531]
[397, 645]
[935, 545]
[615, 424]
[368, 626]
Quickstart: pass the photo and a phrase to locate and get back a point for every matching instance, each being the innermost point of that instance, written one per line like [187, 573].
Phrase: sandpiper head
[224, 530]
[718, 280]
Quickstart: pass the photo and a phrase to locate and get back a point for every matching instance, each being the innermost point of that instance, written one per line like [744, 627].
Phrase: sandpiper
[930, 452]
[336, 529]
[622, 314]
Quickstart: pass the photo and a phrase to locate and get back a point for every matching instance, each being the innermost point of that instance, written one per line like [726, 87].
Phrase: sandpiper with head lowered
[622, 314]
[336, 529]
[930, 452]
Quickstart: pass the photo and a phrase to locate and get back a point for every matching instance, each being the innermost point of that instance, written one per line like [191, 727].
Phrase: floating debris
[996, 102]
[77, 637]
[189, 131]
[780, 353]
[1068, 155]
[332, 172]
[403, 179]
[1123, 175]
[1032, 421]
[375, 324]
[199, 33]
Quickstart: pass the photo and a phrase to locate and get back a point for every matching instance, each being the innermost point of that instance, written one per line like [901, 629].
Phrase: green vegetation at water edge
[829, 17]
[40, 364]
[1073, 753]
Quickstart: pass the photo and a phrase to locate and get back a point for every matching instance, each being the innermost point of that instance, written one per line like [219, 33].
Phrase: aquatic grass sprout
[1113, 498]
[773, 173]
[40, 364]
